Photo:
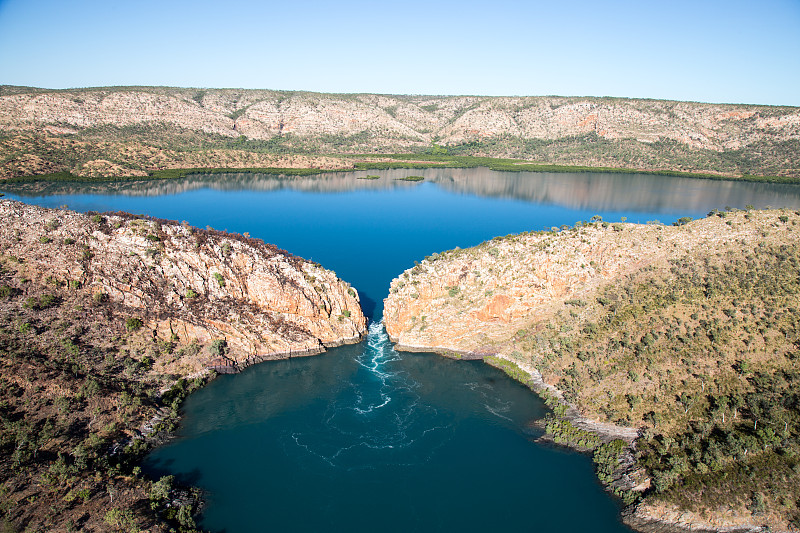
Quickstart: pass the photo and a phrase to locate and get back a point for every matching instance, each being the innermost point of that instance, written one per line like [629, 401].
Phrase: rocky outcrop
[189, 283]
[468, 300]
[664, 518]
[471, 300]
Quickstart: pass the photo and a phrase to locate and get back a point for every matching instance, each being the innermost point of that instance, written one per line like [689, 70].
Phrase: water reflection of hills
[588, 191]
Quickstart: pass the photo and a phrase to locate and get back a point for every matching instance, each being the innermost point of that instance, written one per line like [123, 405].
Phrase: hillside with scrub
[113, 132]
[682, 341]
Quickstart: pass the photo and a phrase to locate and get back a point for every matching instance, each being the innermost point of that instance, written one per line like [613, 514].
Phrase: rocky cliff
[124, 131]
[107, 322]
[187, 283]
[683, 339]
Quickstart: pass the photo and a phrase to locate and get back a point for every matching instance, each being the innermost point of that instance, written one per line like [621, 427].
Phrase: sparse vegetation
[699, 348]
[68, 395]
[392, 138]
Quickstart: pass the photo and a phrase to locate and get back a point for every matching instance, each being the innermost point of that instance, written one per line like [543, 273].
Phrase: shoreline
[237, 367]
[626, 476]
[536, 383]
[399, 161]
[113, 343]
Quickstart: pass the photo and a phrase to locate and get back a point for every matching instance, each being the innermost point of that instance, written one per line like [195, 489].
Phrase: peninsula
[107, 321]
[670, 351]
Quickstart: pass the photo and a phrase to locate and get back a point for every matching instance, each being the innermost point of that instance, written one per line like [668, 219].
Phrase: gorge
[363, 429]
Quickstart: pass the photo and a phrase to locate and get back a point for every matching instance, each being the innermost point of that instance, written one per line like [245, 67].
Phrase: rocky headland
[190, 283]
[107, 321]
[130, 131]
[670, 351]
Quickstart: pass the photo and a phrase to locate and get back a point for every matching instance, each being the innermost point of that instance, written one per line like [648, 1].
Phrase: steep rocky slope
[685, 339]
[106, 323]
[124, 131]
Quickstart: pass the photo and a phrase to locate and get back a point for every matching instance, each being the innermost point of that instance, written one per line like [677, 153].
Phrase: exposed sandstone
[265, 114]
[193, 283]
[624, 132]
[470, 299]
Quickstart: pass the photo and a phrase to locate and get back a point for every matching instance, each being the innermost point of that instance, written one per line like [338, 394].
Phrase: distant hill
[124, 131]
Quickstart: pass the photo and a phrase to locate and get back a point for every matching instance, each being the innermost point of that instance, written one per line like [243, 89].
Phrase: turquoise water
[363, 438]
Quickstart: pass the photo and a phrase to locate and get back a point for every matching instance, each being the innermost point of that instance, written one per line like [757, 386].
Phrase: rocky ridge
[620, 132]
[187, 283]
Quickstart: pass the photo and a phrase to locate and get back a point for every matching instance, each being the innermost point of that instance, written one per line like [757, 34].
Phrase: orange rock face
[471, 300]
[496, 309]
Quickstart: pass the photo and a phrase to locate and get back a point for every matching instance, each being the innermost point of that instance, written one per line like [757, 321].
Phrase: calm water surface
[363, 438]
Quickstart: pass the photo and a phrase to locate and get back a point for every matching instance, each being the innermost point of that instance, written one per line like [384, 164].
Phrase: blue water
[363, 438]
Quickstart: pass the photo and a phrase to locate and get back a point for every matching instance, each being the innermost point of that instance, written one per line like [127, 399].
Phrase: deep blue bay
[363, 438]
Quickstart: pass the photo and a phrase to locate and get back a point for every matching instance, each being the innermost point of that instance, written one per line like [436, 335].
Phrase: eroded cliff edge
[190, 283]
[683, 340]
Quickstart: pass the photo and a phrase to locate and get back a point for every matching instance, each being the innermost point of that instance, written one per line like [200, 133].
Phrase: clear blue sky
[703, 50]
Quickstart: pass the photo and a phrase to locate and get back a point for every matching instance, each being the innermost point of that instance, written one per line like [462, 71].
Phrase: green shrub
[43, 302]
[122, 519]
[82, 494]
[219, 347]
[90, 388]
[160, 490]
[133, 324]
